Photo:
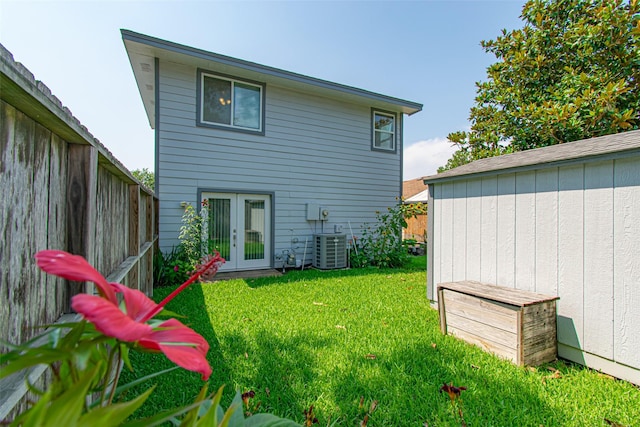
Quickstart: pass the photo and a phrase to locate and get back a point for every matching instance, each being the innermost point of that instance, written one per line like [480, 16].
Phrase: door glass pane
[254, 229]
[216, 100]
[246, 107]
[220, 226]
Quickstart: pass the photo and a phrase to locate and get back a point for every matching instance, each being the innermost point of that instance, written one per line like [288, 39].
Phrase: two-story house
[279, 156]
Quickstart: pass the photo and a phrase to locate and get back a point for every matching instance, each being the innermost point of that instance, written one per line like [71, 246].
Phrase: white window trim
[231, 126]
[374, 130]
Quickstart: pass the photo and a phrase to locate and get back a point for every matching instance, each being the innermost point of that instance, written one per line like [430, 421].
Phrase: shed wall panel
[598, 258]
[488, 235]
[546, 231]
[626, 267]
[447, 243]
[459, 221]
[473, 227]
[525, 227]
[570, 250]
[505, 269]
[436, 235]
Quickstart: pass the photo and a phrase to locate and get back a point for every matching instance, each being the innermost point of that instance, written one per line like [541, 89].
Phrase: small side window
[383, 131]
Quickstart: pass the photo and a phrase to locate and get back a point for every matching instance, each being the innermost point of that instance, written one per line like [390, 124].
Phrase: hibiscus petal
[137, 303]
[181, 344]
[108, 318]
[189, 358]
[74, 267]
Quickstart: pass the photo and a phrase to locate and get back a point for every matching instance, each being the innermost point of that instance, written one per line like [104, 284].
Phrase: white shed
[561, 220]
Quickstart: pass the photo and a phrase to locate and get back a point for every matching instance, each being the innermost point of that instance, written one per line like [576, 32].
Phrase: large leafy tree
[572, 72]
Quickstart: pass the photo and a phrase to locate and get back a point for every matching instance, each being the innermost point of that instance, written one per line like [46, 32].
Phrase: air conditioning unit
[329, 251]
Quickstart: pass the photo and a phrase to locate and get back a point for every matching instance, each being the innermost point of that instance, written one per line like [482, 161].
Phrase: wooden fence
[61, 189]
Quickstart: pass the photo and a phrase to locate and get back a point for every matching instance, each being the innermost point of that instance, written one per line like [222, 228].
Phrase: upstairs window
[384, 131]
[228, 103]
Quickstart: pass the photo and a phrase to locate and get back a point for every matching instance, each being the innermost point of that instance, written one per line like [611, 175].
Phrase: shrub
[176, 265]
[381, 244]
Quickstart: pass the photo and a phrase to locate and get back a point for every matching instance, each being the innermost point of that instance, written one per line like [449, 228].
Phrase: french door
[239, 227]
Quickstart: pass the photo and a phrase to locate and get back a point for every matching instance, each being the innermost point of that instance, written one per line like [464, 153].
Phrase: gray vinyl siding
[314, 149]
[570, 230]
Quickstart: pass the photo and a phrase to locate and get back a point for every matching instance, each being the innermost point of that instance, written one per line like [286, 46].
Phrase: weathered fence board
[61, 189]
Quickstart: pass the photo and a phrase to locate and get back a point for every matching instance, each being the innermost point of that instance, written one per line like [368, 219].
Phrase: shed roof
[608, 146]
[143, 49]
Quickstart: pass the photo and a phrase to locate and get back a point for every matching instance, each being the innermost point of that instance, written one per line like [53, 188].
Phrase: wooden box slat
[517, 325]
[509, 296]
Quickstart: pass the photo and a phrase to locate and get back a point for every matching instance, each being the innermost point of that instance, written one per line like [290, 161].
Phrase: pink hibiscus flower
[181, 344]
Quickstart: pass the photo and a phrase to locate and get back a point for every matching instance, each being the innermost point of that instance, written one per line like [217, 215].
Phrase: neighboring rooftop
[412, 187]
[616, 145]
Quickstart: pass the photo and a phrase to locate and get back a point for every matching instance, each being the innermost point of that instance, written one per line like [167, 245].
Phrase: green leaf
[67, 408]
[35, 416]
[114, 414]
[121, 389]
[37, 356]
[268, 420]
[162, 417]
[213, 414]
[233, 417]
[191, 418]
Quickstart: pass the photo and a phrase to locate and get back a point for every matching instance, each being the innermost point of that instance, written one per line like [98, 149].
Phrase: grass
[334, 339]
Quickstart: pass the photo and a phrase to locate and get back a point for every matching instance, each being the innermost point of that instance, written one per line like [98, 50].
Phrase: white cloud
[423, 158]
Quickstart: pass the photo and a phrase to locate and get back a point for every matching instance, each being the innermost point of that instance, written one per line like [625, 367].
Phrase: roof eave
[142, 48]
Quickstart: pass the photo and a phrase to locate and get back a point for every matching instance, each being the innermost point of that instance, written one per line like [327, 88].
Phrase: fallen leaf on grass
[248, 395]
[246, 355]
[433, 345]
[452, 391]
[609, 377]
[613, 423]
[373, 407]
[556, 373]
[266, 390]
[319, 303]
[341, 327]
[475, 367]
[309, 418]
[364, 422]
[370, 356]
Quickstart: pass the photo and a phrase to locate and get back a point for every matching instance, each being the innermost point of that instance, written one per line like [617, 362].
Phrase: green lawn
[335, 338]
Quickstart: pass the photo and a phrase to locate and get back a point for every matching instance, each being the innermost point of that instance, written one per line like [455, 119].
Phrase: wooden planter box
[514, 324]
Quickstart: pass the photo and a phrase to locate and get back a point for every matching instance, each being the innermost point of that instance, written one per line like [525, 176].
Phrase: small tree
[145, 176]
[381, 244]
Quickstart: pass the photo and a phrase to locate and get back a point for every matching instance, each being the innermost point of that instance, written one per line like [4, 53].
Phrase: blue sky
[423, 51]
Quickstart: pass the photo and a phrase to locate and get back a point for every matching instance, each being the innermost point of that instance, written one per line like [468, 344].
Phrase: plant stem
[103, 394]
[117, 376]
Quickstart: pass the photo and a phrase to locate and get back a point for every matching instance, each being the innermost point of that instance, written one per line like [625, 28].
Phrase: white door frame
[240, 249]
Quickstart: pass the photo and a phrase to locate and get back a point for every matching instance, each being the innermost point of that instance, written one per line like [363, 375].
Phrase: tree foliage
[572, 72]
[145, 176]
